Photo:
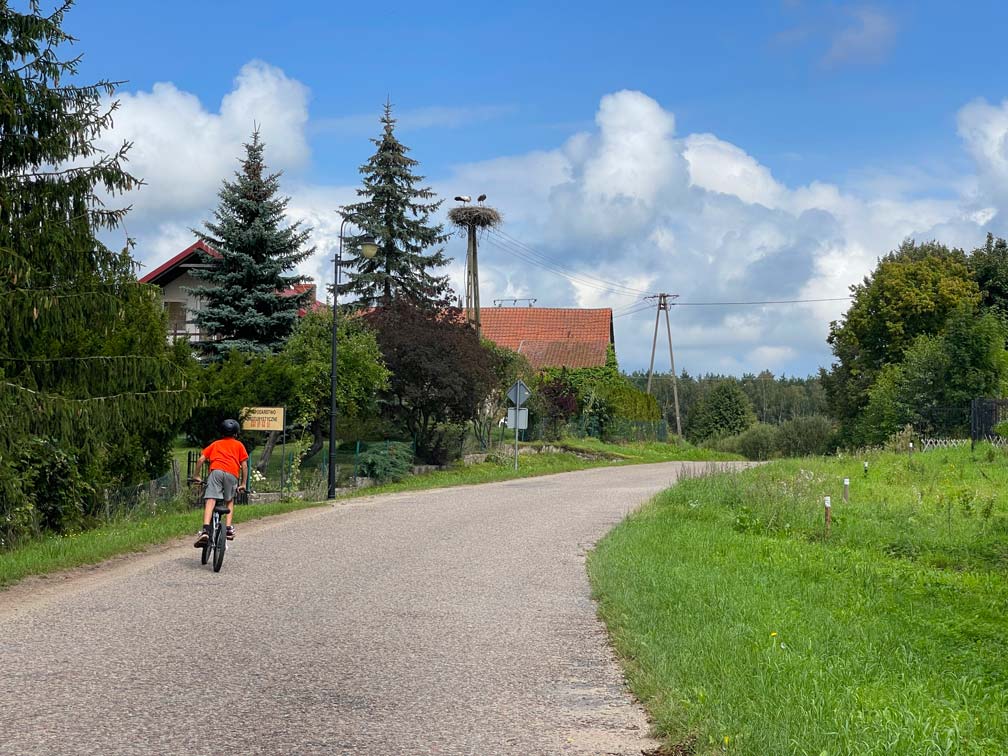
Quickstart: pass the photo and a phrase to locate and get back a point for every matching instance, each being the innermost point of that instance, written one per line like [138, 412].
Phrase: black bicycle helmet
[230, 427]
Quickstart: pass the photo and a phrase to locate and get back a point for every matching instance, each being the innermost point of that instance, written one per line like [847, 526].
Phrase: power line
[535, 253]
[518, 248]
[641, 307]
[765, 302]
[579, 279]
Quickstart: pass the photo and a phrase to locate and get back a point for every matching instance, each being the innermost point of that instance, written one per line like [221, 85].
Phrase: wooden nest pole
[473, 218]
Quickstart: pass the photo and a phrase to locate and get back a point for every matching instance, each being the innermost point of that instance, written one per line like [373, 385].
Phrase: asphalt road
[456, 621]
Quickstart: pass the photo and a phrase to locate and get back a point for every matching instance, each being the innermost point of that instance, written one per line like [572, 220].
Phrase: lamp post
[368, 249]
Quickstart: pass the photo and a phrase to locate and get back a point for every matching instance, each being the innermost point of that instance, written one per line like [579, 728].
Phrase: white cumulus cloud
[183, 151]
[627, 209]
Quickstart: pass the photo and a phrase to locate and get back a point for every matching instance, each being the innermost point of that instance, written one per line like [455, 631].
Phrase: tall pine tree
[89, 393]
[248, 299]
[397, 213]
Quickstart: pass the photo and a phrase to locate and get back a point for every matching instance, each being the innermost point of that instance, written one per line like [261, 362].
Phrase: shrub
[558, 402]
[629, 402]
[806, 436]
[724, 410]
[384, 462]
[759, 442]
[51, 477]
[900, 440]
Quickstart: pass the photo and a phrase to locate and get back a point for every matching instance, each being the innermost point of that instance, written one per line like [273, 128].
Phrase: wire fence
[985, 415]
[144, 498]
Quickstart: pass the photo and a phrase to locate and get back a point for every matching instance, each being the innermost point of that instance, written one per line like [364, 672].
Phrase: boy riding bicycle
[228, 473]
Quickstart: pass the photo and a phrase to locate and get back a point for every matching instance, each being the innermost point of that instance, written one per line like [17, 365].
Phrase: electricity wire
[522, 251]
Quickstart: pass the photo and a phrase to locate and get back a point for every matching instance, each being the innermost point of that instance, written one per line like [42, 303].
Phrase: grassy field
[745, 630]
[136, 532]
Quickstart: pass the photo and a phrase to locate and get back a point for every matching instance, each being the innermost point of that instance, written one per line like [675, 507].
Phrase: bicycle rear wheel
[220, 545]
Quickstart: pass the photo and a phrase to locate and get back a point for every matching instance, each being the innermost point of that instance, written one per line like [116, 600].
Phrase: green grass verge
[576, 454]
[127, 535]
[136, 533]
[745, 631]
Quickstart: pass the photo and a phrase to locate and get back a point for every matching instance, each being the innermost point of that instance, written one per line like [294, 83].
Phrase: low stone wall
[475, 459]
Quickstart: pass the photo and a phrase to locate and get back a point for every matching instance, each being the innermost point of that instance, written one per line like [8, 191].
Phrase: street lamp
[368, 249]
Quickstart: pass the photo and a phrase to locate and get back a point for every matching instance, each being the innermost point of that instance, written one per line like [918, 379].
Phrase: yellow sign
[263, 418]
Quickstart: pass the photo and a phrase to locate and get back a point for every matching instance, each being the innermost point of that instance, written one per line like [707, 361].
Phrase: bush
[557, 404]
[386, 462]
[806, 436]
[900, 440]
[724, 410]
[759, 442]
[629, 402]
[51, 477]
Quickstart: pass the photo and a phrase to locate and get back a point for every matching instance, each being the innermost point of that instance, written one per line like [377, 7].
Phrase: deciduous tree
[360, 371]
[909, 294]
[440, 373]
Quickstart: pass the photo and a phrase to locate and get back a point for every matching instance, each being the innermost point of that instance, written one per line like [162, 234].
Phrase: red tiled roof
[293, 291]
[162, 274]
[179, 259]
[551, 336]
[568, 354]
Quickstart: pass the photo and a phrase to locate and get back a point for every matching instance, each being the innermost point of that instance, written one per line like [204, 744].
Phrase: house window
[176, 318]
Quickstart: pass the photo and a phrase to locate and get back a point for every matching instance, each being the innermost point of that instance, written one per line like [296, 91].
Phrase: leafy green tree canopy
[248, 298]
[909, 294]
[360, 371]
[938, 377]
[440, 373]
[724, 410]
[989, 264]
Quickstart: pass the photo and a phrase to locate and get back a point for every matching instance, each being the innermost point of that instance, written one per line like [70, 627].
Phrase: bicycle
[216, 545]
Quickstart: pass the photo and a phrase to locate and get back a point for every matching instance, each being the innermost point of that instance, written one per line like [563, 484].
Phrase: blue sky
[800, 140]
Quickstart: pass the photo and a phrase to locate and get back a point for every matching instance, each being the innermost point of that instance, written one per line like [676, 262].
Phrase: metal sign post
[267, 419]
[517, 417]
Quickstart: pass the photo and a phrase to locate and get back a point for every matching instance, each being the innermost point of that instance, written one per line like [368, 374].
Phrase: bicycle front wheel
[220, 546]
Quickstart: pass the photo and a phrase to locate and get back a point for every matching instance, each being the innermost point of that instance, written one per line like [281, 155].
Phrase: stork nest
[479, 216]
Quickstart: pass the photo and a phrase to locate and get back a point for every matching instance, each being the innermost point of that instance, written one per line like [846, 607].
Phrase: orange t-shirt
[226, 454]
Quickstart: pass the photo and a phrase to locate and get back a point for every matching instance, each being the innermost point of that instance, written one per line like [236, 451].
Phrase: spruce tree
[247, 304]
[88, 391]
[397, 213]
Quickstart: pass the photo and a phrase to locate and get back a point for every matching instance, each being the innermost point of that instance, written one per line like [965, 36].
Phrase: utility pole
[471, 218]
[472, 303]
[663, 304]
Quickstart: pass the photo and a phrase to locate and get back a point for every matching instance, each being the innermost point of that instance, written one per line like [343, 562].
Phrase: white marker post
[829, 517]
[846, 490]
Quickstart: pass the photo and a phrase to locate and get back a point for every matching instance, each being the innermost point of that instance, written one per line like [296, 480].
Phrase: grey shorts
[221, 486]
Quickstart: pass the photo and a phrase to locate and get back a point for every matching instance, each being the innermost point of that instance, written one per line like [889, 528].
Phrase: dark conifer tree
[248, 302]
[396, 211]
[88, 389]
